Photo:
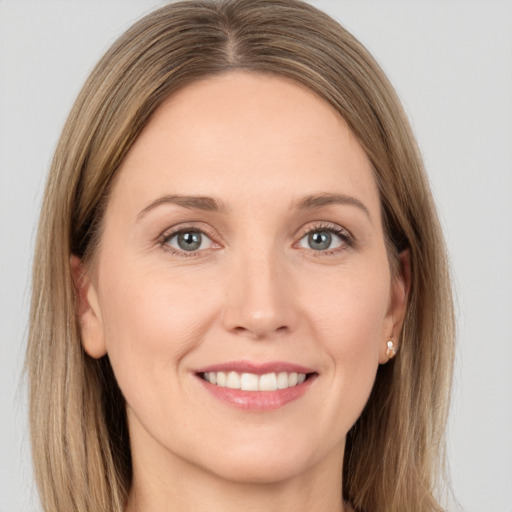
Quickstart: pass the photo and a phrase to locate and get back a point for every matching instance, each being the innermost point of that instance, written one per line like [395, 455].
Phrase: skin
[256, 291]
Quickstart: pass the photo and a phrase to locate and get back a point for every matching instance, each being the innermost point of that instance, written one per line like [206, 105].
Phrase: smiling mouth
[253, 382]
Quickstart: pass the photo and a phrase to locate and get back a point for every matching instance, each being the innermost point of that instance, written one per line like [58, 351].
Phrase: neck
[177, 484]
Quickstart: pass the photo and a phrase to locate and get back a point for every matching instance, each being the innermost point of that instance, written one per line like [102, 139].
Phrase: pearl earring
[391, 350]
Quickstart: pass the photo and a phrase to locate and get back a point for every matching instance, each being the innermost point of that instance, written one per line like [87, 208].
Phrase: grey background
[451, 62]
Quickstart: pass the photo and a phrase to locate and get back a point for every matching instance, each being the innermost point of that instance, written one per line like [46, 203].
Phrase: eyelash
[165, 237]
[344, 235]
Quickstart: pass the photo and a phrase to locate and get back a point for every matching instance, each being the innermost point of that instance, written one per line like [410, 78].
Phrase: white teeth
[233, 380]
[268, 382]
[221, 379]
[249, 382]
[254, 382]
[282, 380]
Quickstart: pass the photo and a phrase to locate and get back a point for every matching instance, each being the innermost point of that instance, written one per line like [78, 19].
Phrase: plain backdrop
[451, 62]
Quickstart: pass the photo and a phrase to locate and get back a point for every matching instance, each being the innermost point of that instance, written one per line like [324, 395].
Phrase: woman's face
[242, 248]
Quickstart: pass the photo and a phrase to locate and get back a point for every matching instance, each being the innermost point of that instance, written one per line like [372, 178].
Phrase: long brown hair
[78, 422]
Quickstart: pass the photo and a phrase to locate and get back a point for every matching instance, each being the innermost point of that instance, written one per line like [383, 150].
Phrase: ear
[88, 311]
[400, 288]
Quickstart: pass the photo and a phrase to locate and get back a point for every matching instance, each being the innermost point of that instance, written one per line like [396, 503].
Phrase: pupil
[189, 241]
[320, 240]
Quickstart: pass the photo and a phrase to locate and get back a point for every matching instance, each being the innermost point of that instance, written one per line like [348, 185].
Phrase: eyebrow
[203, 203]
[315, 201]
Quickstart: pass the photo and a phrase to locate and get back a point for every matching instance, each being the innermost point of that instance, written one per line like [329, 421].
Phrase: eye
[326, 239]
[189, 240]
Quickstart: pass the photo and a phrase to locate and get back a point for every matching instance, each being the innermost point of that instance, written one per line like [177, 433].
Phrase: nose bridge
[259, 294]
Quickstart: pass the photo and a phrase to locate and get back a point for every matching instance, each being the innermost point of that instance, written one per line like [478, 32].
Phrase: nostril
[258, 316]
[260, 331]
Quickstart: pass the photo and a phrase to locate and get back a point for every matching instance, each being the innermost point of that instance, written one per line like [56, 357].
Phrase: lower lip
[258, 400]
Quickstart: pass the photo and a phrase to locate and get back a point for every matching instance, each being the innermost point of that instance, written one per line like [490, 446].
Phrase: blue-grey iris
[320, 240]
[189, 240]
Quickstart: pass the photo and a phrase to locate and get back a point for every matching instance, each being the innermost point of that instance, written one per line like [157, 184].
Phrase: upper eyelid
[187, 226]
[326, 226]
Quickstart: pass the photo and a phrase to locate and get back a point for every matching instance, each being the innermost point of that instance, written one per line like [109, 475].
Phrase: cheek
[151, 322]
[348, 312]
[350, 306]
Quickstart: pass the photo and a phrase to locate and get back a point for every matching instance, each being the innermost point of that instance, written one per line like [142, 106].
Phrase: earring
[391, 350]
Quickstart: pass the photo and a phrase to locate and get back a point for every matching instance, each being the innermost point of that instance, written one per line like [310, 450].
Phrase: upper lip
[256, 367]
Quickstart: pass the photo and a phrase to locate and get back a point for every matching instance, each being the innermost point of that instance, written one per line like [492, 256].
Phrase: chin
[258, 471]
[268, 463]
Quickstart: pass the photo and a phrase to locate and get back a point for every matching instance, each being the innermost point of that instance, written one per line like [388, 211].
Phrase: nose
[260, 298]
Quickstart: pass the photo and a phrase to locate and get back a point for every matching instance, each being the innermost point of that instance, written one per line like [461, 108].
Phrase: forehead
[244, 133]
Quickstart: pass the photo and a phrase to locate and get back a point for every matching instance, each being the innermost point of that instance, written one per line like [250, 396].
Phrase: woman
[241, 297]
